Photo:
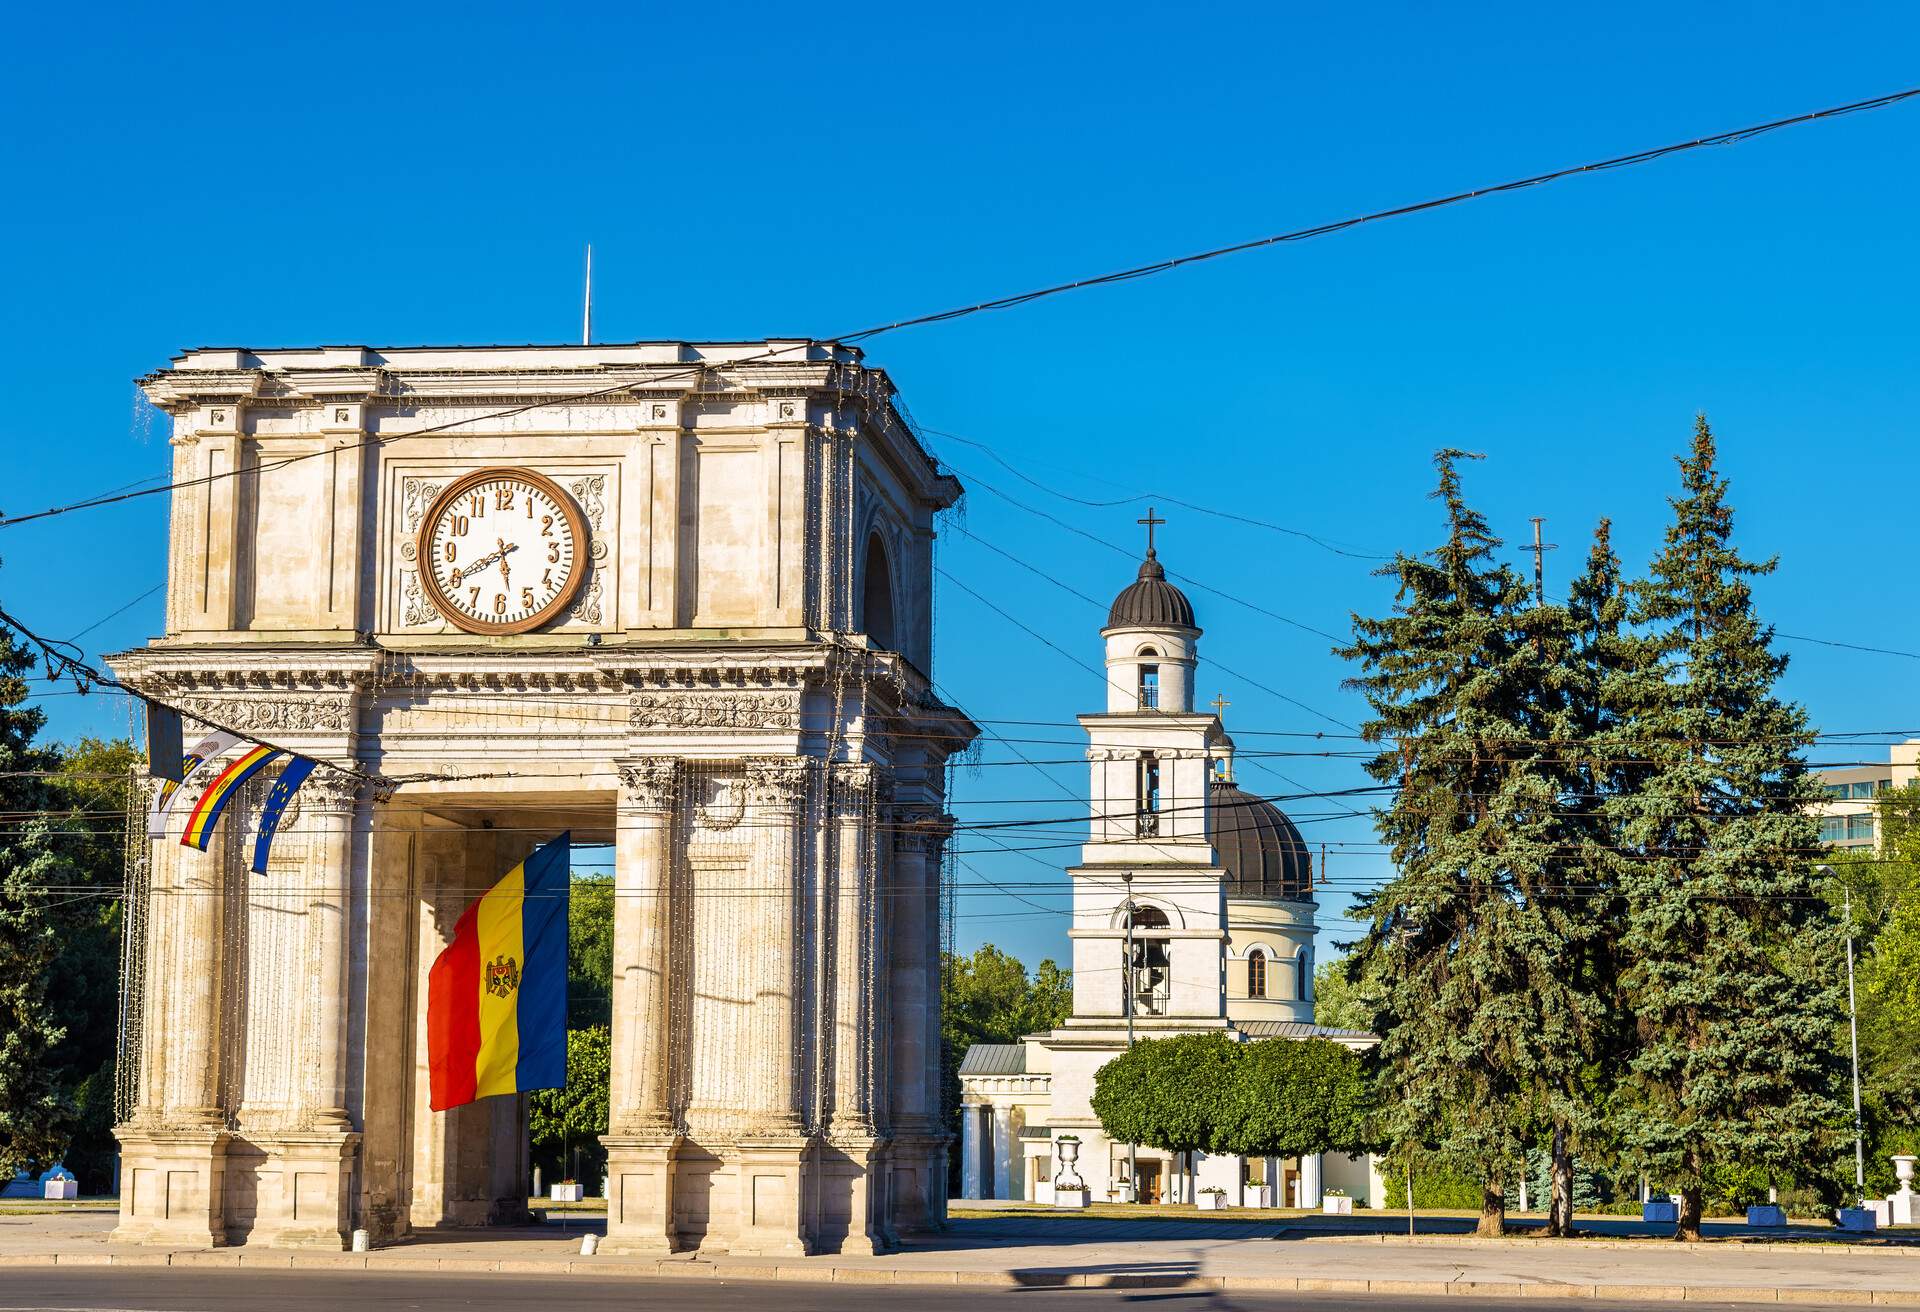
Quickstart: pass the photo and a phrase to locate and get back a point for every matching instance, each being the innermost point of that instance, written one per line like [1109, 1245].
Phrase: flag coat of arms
[497, 996]
[224, 788]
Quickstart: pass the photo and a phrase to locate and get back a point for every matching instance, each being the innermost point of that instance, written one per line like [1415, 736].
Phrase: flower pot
[1767, 1215]
[1858, 1220]
[566, 1192]
[67, 1188]
[1334, 1205]
[1660, 1211]
[1211, 1202]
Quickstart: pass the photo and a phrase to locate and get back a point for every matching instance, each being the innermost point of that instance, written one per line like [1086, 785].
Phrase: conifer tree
[1729, 955]
[35, 1113]
[1587, 643]
[1464, 941]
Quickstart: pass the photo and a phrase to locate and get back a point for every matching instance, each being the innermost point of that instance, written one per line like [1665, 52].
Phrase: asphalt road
[161, 1290]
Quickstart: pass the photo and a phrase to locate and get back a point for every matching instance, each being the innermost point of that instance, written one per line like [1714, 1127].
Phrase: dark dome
[1262, 853]
[1150, 602]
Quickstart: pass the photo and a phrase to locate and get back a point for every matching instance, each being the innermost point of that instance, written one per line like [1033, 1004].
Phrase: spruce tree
[1465, 940]
[1729, 955]
[35, 1112]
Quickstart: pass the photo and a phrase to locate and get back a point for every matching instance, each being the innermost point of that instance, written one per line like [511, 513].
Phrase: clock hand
[506, 575]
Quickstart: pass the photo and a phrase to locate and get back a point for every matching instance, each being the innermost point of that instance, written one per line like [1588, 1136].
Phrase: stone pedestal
[291, 1190]
[772, 1219]
[850, 1183]
[916, 1183]
[640, 1169]
[172, 1186]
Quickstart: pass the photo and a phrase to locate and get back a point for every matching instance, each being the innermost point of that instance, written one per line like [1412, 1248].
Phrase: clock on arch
[502, 551]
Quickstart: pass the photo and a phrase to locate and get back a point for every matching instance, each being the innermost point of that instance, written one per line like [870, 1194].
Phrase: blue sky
[188, 176]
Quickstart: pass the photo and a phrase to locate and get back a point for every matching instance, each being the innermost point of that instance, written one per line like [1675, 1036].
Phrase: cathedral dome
[1261, 851]
[1150, 602]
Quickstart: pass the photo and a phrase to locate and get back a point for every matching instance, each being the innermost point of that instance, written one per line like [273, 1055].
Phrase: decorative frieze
[715, 710]
[777, 781]
[307, 713]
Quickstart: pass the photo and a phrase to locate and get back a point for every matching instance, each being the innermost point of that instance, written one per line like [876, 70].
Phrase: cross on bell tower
[1150, 521]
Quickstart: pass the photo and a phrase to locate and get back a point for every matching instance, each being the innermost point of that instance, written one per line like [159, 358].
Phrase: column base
[640, 1215]
[916, 1183]
[293, 1189]
[172, 1186]
[773, 1218]
[851, 1184]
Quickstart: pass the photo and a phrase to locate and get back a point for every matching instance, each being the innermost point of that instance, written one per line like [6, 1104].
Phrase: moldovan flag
[497, 997]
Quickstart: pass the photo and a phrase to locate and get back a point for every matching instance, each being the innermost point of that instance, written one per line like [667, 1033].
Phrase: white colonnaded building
[1218, 885]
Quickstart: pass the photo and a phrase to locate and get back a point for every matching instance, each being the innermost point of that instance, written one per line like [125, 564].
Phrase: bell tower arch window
[1148, 792]
[1149, 680]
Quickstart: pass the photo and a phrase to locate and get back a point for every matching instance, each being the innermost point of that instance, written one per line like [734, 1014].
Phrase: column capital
[330, 789]
[779, 781]
[920, 828]
[649, 783]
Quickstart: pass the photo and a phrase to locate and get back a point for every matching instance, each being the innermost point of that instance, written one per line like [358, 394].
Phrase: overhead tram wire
[1731, 137]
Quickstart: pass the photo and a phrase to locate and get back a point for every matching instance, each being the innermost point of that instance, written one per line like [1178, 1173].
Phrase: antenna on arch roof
[586, 313]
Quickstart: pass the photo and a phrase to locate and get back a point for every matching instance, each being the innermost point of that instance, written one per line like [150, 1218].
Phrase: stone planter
[1254, 1195]
[1857, 1220]
[1072, 1198]
[1210, 1202]
[565, 1192]
[68, 1188]
[1766, 1215]
[1660, 1211]
[1336, 1206]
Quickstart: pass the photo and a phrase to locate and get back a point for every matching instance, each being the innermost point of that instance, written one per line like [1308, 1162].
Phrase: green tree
[1338, 1002]
[1168, 1093]
[1294, 1098]
[590, 951]
[1479, 1018]
[1730, 958]
[1883, 890]
[562, 1120]
[93, 790]
[36, 1109]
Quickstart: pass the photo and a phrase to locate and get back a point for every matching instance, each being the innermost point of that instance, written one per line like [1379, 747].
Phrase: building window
[1256, 974]
[1860, 826]
[1149, 687]
[1833, 829]
[1149, 795]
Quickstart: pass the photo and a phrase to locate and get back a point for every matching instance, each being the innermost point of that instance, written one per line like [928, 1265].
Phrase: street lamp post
[1853, 1029]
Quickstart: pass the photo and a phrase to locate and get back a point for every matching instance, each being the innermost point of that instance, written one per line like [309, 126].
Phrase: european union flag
[283, 790]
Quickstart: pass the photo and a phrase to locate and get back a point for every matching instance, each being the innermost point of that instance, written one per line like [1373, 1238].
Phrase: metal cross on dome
[1150, 521]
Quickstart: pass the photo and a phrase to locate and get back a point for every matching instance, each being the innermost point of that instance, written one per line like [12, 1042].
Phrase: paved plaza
[1281, 1254]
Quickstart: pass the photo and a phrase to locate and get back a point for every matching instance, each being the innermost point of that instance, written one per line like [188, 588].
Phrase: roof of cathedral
[1295, 1029]
[995, 1059]
[1150, 602]
[1263, 854]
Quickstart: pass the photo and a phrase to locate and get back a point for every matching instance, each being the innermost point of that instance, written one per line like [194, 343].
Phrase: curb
[628, 1268]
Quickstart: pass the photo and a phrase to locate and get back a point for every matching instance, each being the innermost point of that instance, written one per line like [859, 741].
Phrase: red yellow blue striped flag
[497, 996]
[206, 812]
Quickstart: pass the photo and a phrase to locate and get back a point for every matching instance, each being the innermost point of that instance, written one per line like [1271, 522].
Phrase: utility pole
[1540, 549]
[1126, 993]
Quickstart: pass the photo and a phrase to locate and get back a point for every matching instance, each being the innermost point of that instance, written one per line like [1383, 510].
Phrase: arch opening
[876, 596]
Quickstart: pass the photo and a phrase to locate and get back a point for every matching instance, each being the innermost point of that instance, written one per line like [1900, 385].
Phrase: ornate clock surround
[576, 524]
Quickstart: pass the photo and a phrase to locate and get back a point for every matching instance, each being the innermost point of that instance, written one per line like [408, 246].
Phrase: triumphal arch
[672, 597]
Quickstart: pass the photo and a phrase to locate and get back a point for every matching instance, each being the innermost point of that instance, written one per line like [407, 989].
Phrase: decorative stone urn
[1900, 1203]
[1069, 1190]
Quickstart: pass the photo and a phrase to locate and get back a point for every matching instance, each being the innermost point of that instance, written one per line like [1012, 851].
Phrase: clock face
[502, 551]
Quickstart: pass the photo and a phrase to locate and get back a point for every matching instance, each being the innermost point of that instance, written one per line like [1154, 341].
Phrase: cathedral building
[1193, 911]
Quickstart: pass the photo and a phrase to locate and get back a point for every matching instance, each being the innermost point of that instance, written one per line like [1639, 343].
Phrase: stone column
[1004, 1150]
[969, 1151]
[315, 1157]
[1310, 1181]
[643, 1142]
[919, 1140]
[774, 1149]
[854, 1166]
[173, 1152]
